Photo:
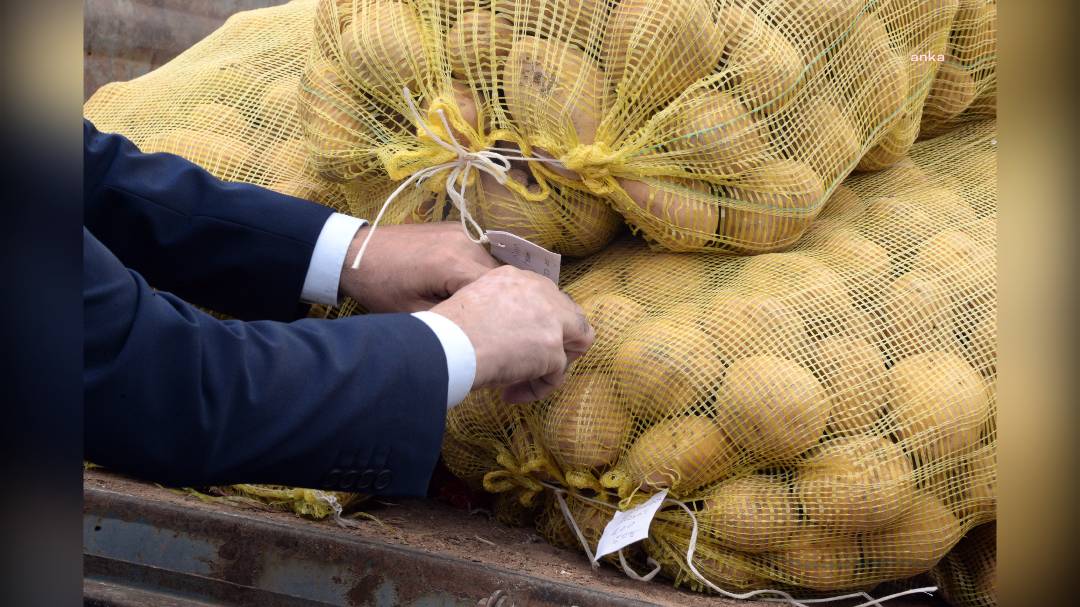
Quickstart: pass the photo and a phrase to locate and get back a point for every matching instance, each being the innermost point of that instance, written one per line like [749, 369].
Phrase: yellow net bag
[827, 415]
[706, 125]
[968, 574]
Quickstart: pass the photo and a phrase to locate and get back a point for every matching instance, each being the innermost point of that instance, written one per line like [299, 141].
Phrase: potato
[226, 158]
[719, 134]
[803, 282]
[587, 223]
[752, 514]
[464, 99]
[919, 25]
[944, 204]
[612, 314]
[770, 208]
[979, 497]
[681, 454]
[916, 542]
[843, 201]
[852, 371]
[660, 280]
[897, 224]
[665, 367]
[961, 263]
[855, 484]
[829, 565]
[219, 118]
[765, 66]
[668, 541]
[384, 49]
[576, 21]
[818, 133]
[475, 42]
[655, 51]
[865, 264]
[585, 424]
[747, 325]
[814, 25]
[553, 88]
[597, 280]
[915, 316]
[951, 93]
[678, 214]
[279, 111]
[893, 145]
[975, 33]
[938, 403]
[497, 207]
[877, 77]
[331, 124]
[982, 340]
[772, 406]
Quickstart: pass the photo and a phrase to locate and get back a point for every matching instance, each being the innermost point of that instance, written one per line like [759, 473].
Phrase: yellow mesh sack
[705, 125]
[968, 574]
[828, 414]
[965, 86]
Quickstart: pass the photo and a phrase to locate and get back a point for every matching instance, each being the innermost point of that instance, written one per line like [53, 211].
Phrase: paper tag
[629, 526]
[522, 254]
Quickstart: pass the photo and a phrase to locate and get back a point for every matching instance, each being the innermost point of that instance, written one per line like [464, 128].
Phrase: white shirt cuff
[460, 355]
[324, 272]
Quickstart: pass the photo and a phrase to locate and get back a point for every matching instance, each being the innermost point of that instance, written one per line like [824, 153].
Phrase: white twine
[493, 161]
[335, 506]
[781, 596]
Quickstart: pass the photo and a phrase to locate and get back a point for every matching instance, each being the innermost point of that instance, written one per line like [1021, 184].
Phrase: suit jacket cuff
[323, 280]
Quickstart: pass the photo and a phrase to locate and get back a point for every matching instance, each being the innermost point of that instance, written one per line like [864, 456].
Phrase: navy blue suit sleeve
[175, 395]
[232, 247]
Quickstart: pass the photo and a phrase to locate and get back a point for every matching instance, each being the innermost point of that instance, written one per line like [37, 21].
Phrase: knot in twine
[494, 162]
[593, 162]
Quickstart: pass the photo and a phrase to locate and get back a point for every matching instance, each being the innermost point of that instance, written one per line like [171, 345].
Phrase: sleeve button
[382, 481]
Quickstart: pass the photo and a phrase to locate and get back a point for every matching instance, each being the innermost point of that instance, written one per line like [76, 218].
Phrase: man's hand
[409, 268]
[524, 330]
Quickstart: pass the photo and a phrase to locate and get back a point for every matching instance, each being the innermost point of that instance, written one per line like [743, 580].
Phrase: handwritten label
[522, 254]
[629, 526]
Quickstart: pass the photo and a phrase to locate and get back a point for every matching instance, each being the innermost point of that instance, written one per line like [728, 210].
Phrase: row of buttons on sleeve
[355, 480]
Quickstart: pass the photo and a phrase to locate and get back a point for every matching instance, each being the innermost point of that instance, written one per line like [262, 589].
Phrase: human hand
[408, 268]
[524, 330]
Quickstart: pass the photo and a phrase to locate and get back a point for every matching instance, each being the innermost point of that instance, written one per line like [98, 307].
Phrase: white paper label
[522, 254]
[629, 526]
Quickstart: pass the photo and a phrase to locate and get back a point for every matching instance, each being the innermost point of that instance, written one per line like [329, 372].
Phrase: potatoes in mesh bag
[718, 134]
[330, 116]
[951, 93]
[682, 454]
[958, 260]
[653, 51]
[665, 367]
[842, 202]
[809, 285]
[865, 264]
[585, 423]
[873, 78]
[680, 214]
[754, 513]
[765, 66]
[915, 316]
[731, 570]
[747, 325]
[938, 404]
[852, 370]
[223, 156]
[554, 89]
[820, 135]
[772, 407]
[914, 543]
[826, 565]
[383, 47]
[278, 110]
[475, 42]
[855, 484]
[779, 198]
[576, 21]
[219, 118]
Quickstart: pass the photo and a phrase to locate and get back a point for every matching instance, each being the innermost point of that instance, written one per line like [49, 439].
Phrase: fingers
[461, 275]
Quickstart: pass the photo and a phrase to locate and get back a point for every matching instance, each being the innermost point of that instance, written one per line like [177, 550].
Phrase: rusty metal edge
[251, 540]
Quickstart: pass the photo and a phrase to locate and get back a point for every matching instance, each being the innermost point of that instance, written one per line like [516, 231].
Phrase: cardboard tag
[522, 254]
[629, 526]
